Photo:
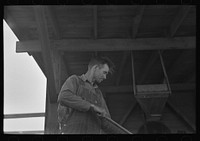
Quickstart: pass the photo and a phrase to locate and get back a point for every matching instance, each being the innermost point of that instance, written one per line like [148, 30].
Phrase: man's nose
[104, 76]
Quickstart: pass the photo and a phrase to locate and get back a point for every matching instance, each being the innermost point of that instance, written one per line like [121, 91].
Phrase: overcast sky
[24, 86]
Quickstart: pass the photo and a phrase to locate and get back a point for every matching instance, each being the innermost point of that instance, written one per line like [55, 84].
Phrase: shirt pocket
[96, 99]
[85, 93]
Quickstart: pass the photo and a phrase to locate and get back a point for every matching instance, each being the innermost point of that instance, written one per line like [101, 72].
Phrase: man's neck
[89, 77]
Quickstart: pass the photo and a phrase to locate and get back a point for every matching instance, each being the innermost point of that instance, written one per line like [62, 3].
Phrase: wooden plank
[129, 88]
[51, 124]
[122, 65]
[26, 115]
[126, 115]
[53, 21]
[46, 50]
[183, 11]
[182, 116]
[137, 20]
[111, 44]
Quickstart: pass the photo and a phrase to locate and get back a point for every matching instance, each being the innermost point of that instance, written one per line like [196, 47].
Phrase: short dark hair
[101, 60]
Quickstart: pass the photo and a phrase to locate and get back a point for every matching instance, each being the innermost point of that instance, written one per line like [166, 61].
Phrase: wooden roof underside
[80, 32]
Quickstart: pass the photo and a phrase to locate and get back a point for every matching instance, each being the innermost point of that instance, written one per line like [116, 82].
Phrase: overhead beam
[137, 20]
[182, 13]
[129, 88]
[182, 116]
[46, 50]
[53, 21]
[122, 65]
[111, 44]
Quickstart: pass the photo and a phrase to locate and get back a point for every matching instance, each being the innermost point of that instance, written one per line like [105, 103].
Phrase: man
[80, 100]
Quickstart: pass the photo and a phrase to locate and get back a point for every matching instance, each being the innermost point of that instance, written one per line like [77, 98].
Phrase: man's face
[101, 72]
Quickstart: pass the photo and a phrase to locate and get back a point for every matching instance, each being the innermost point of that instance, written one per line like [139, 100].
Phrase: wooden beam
[182, 116]
[122, 65]
[51, 124]
[129, 88]
[182, 13]
[26, 115]
[46, 50]
[137, 20]
[53, 21]
[126, 115]
[95, 22]
[111, 44]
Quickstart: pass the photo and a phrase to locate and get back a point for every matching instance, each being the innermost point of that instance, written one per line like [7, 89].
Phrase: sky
[24, 86]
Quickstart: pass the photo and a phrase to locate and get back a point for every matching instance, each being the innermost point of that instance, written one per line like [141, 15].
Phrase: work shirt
[74, 101]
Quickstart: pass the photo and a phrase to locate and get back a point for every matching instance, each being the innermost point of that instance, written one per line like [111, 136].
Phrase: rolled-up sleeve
[68, 95]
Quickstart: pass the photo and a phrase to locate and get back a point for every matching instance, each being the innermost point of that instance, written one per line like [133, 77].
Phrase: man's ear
[94, 67]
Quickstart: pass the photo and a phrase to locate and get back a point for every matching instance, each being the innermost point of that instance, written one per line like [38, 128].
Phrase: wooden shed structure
[153, 48]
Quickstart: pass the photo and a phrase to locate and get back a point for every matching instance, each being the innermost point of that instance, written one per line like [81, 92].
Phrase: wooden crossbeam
[51, 113]
[26, 115]
[182, 13]
[137, 20]
[122, 65]
[46, 50]
[111, 44]
[53, 21]
[182, 116]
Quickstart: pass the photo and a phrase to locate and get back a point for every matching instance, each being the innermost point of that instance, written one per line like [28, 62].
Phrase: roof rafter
[53, 21]
[137, 20]
[178, 20]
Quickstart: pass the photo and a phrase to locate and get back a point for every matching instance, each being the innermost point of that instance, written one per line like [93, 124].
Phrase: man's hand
[98, 110]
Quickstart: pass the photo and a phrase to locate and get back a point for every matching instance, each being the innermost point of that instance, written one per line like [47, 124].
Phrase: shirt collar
[83, 77]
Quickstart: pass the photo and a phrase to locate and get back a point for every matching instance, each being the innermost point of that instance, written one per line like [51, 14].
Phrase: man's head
[100, 67]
